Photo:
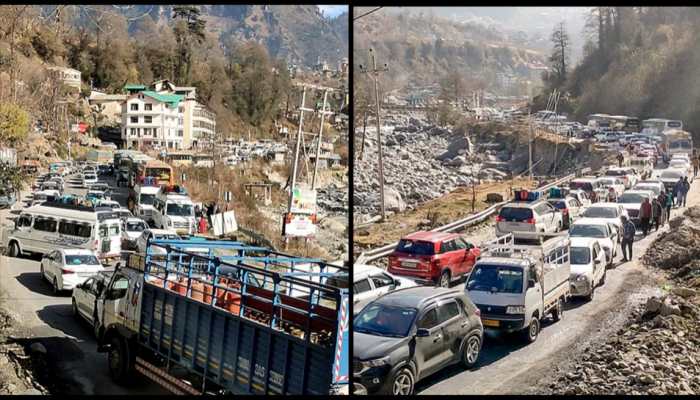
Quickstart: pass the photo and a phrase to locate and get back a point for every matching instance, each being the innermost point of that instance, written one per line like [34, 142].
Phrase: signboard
[299, 225]
[229, 221]
[303, 201]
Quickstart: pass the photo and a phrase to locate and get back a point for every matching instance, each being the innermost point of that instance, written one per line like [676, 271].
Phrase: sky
[333, 10]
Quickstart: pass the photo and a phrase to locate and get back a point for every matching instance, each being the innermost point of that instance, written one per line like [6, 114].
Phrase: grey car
[409, 334]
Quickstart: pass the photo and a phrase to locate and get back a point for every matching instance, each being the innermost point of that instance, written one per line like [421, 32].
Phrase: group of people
[203, 216]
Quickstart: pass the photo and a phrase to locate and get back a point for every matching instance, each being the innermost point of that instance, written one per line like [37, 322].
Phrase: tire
[558, 311]
[444, 279]
[118, 360]
[13, 251]
[532, 331]
[56, 290]
[403, 382]
[76, 314]
[471, 351]
[41, 271]
[591, 295]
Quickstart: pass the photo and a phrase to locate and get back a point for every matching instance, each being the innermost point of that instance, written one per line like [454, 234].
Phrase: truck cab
[141, 200]
[515, 287]
[174, 210]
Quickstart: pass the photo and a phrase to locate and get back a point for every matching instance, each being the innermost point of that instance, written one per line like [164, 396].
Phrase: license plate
[490, 322]
[409, 264]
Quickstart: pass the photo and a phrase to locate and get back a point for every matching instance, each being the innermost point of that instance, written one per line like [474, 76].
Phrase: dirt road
[508, 367]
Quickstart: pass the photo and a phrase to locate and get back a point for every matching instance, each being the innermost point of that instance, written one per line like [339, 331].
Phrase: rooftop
[172, 99]
[430, 236]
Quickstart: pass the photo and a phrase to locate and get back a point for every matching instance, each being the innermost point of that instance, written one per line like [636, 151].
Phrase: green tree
[189, 30]
[559, 59]
[14, 123]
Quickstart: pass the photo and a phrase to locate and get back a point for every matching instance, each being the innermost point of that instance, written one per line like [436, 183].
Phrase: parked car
[600, 230]
[632, 200]
[433, 257]
[131, 231]
[410, 334]
[609, 212]
[113, 204]
[581, 196]
[67, 268]
[679, 163]
[85, 295]
[370, 282]
[587, 266]
[588, 185]
[570, 209]
[524, 218]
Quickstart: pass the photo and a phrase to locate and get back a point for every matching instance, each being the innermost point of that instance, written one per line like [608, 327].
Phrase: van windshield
[384, 320]
[594, 231]
[183, 210]
[496, 278]
[147, 199]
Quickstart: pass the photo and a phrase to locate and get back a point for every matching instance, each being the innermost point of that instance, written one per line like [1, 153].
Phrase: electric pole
[529, 143]
[320, 133]
[375, 76]
[296, 150]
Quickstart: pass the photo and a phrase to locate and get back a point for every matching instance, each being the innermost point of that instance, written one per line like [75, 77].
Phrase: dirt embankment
[24, 368]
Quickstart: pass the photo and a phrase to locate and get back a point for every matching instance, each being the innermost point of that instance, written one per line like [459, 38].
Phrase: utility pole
[364, 129]
[297, 147]
[320, 133]
[375, 76]
[529, 143]
[556, 125]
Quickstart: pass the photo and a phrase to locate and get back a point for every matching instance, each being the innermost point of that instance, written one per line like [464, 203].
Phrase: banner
[230, 225]
[300, 225]
[303, 201]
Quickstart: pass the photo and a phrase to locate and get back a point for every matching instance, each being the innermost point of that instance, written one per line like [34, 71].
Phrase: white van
[141, 204]
[174, 210]
[44, 228]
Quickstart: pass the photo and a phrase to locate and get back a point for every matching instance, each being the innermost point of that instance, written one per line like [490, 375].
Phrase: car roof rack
[504, 246]
[527, 196]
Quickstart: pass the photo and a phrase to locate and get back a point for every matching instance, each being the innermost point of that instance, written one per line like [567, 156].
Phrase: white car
[607, 182]
[670, 176]
[581, 196]
[370, 282]
[85, 296]
[626, 174]
[64, 269]
[132, 229]
[598, 229]
[570, 208]
[113, 204]
[608, 212]
[587, 266]
[653, 186]
[524, 218]
[679, 163]
[89, 178]
[632, 200]
[159, 234]
[124, 213]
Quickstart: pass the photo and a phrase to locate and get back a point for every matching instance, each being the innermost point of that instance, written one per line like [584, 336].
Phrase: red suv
[433, 257]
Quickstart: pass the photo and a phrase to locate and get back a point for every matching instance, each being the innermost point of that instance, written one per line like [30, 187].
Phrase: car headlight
[377, 362]
[581, 278]
[515, 310]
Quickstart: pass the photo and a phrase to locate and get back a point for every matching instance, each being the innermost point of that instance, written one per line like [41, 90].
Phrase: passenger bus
[656, 126]
[677, 141]
[179, 158]
[161, 172]
[599, 121]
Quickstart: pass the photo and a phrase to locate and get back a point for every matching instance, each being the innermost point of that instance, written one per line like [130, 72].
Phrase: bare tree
[559, 59]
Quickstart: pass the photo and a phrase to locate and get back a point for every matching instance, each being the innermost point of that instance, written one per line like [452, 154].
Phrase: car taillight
[530, 221]
[499, 218]
[67, 271]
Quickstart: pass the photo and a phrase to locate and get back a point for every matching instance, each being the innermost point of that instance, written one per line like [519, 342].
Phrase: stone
[653, 305]
[37, 348]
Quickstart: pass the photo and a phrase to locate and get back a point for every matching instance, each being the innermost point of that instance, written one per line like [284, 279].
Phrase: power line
[367, 13]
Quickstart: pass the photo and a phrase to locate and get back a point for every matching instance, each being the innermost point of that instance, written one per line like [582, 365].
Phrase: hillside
[421, 49]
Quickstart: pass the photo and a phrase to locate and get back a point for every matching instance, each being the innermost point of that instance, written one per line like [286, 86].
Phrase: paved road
[70, 343]
[508, 367]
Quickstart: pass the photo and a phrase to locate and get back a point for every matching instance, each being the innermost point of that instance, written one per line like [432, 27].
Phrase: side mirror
[397, 283]
[422, 332]
[530, 283]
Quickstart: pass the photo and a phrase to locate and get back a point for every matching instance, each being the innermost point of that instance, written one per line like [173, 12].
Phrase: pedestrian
[677, 191]
[612, 196]
[685, 188]
[620, 158]
[202, 224]
[628, 232]
[210, 211]
[658, 212]
[696, 163]
[645, 215]
[669, 204]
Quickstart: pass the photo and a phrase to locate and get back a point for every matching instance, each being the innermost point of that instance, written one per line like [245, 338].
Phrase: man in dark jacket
[620, 158]
[645, 215]
[677, 192]
[628, 232]
[658, 212]
[685, 188]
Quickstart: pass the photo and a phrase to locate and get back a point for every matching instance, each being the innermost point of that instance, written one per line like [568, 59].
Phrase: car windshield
[600, 212]
[135, 226]
[82, 259]
[383, 320]
[631, 198]
[594, 231]
[580, 255]
[184, 210]
[496, 278]
[147, 199]
[416, 247]
[671, 174]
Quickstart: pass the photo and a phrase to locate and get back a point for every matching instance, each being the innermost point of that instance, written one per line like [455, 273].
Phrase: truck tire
[444, 279]
[558, 311]
[13, 250]
[118, 360]
[532, 331]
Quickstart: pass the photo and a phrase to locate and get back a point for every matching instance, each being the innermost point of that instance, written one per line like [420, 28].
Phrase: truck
[516, 286]
[173, 209]
[233, 319]
[140, 201]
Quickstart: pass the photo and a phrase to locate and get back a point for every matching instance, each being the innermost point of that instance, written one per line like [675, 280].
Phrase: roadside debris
[22, 366]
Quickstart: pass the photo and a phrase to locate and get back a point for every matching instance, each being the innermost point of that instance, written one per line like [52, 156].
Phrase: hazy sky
[333, 10]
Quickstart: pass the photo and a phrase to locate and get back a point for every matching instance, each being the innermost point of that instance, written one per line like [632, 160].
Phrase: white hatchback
[67, 268]
[370, 282]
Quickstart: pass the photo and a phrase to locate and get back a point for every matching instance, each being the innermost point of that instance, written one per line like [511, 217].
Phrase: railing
[371, 255]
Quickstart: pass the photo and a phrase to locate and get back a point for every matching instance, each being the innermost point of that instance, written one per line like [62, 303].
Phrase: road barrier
[374, 254]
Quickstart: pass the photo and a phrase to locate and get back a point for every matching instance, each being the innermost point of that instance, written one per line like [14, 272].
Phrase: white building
[203, 126]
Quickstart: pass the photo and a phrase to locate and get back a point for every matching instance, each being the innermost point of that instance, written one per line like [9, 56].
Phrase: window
[381, 280]
[75, 229]
[429, 320]
[119, 287]
[448, 246]
[147, 119]
[461, 244]
[24, 220]
[45, 224]
[133, 132]
[180, 133]
[448, 311]
[415, 247]
[148, 107]
[134, 106]
[134, 120]
[180, 121]
[361, 286]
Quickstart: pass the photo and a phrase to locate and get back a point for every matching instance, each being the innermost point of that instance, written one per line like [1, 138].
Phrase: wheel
[76, 314]
[532, 331]
[602, 280]
[55, 287]
[558, 311]
[403, 382]
[591, 294]
[445, 279]
[118, 359]
[41, 271]
[14, 250]
[470, 353]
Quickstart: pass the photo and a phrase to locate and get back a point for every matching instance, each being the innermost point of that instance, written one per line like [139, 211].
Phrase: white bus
[50, 226]
[656, 126]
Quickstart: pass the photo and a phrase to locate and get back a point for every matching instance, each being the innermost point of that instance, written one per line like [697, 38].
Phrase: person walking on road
[658, 212]
[612, 196]
[628, 232]
[685, 188]
[669, 204]
[696, 164]
[677, 192]
[620, 159]
[645, 216]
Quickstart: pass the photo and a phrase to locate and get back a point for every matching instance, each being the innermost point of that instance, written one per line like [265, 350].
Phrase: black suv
[409, 334]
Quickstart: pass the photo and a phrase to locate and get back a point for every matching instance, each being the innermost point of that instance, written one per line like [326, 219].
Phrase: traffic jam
[440, 292]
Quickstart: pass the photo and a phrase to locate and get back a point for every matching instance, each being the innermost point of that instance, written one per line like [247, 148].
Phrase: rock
[494, 197]
[684, 292]
[37, 348]
[667, 308]
[393, 200]
[653, 305]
